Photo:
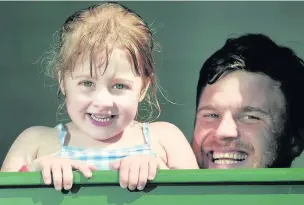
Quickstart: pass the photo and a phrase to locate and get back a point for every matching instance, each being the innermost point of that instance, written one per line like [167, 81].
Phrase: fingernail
[123, 186]
[68, 187]
[58, 188]
[47, 181]
[140, 188]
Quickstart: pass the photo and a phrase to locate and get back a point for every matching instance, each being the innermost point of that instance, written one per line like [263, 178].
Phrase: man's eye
[87, 83]
[211, 115]
[250, 119]
[120, 86]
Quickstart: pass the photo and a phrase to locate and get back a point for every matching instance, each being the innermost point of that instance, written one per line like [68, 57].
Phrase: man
[249, 106]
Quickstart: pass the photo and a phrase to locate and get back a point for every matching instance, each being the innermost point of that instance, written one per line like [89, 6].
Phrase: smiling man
[249, 106]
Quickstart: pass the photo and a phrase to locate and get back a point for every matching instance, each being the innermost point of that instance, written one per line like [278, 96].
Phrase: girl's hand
[135, 171]
[60, 170]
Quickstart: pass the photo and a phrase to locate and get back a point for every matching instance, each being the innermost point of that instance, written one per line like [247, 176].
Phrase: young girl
[104, 67]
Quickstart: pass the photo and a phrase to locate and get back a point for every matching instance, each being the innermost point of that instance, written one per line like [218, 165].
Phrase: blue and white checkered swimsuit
[101, 158]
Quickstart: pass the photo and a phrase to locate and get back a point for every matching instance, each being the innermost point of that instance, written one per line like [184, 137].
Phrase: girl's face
[103, 104]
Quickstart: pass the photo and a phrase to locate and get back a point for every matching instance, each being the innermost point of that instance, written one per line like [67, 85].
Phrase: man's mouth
[231, 157]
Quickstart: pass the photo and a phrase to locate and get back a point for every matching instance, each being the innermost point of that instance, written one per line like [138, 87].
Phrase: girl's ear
[61, 84]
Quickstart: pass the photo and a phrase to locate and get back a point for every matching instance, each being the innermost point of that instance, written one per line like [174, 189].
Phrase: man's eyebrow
[254, 109]
[206, 107]
[244, 109]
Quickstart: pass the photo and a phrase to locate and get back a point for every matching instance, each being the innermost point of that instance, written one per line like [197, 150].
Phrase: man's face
[239, 122]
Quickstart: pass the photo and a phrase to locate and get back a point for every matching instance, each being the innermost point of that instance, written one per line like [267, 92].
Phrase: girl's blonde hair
[101, 28]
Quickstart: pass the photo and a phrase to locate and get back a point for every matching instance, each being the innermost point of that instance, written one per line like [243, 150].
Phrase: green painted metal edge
[171, 176]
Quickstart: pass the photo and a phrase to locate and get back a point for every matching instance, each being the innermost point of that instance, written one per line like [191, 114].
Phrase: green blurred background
[188, 33]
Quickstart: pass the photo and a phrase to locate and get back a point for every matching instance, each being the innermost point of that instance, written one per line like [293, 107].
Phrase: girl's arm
[178, 150]
[23, 151]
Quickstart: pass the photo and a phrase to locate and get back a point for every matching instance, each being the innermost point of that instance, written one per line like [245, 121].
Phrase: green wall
[188, 33]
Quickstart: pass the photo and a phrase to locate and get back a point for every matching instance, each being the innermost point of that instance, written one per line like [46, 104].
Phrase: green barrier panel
[171, 187]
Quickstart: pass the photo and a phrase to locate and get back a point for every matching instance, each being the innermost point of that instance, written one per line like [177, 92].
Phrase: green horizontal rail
[170, 176]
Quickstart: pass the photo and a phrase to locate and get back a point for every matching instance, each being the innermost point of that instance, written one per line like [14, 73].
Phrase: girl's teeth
[101, 118]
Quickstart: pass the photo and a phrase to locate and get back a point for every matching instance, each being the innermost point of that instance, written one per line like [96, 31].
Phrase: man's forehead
[241, 89]
[234, 108]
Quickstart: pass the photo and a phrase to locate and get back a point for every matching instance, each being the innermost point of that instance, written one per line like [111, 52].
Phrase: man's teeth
[101, 118]
[228, 157]
[224, 161]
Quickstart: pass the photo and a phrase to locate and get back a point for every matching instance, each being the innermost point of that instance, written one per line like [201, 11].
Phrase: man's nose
[227, 127]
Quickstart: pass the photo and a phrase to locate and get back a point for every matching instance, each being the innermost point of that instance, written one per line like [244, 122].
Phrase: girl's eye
[87, 83]
[120, 86]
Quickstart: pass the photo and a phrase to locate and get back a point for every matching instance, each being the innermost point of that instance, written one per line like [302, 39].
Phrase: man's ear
[144, 91]
[298, 143]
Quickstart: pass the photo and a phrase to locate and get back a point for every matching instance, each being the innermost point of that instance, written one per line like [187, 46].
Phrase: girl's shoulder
[162, 127]
[172, 140]
[38, 134]
[27, 146]
[166, 134]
